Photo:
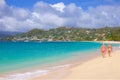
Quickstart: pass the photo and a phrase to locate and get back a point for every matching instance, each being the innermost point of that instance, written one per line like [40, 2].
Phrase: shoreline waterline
[26, 74]
[36, 71]
[67, 72]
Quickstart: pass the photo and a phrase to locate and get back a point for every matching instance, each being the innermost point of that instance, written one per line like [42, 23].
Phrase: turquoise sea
[46, 56]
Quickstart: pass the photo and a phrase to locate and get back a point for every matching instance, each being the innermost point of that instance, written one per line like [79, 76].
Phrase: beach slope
[94, 69]
[97, 69]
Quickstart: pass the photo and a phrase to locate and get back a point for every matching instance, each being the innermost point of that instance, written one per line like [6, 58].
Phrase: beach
[94, 69]
[35, 61]
[97, 69]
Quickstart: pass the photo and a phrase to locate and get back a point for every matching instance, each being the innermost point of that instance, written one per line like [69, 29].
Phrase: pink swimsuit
[103, 49]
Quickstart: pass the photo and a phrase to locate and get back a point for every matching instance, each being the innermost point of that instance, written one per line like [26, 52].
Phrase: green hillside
[68, 34]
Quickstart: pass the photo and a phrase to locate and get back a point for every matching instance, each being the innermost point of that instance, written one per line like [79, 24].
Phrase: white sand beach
[95, 69]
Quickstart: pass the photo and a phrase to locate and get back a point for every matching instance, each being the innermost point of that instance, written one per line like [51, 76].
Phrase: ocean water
[15, 56]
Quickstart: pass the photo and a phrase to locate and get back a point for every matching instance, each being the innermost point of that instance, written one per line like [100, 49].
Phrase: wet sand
[94, 69]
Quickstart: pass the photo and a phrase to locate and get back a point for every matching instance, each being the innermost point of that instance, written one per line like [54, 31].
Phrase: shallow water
[45, 56]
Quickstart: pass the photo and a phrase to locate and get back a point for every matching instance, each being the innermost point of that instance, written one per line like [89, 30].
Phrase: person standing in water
[103, 50]
[109, 50]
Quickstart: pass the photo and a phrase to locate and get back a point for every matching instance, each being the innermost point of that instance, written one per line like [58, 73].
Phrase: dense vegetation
[68, 34]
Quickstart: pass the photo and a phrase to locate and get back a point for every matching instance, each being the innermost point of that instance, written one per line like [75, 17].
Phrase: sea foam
[29, 75]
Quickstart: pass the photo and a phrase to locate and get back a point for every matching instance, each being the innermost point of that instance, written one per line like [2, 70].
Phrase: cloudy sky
[24, 15]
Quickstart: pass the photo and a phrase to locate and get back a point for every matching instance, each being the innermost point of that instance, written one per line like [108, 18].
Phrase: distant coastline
[65, 34]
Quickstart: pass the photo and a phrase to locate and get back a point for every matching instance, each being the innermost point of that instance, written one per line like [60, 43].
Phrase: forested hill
[68, 34]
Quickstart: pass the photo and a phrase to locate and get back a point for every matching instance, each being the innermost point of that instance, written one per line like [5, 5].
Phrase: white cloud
[20, 13]
[43, 8]
[2, 4]
[46, 16]
[59, 6]
[9, 23]
[2, 7]
[105, 16]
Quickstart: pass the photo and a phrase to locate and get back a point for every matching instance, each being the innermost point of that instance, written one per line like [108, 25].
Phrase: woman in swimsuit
[103, 50]
[109, 50]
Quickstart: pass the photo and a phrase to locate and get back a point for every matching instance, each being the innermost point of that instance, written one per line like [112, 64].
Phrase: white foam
[62, 66]
[25, 76]
[28, 75]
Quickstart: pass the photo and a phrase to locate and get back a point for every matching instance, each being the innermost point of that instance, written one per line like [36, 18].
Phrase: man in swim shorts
[103, 50]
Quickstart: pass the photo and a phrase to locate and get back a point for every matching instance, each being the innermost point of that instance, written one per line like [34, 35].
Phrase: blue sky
[24, 15]
[83, 3]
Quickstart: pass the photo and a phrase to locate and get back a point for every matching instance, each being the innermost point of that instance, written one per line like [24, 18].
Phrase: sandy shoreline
[95, 69]
[111, 42]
